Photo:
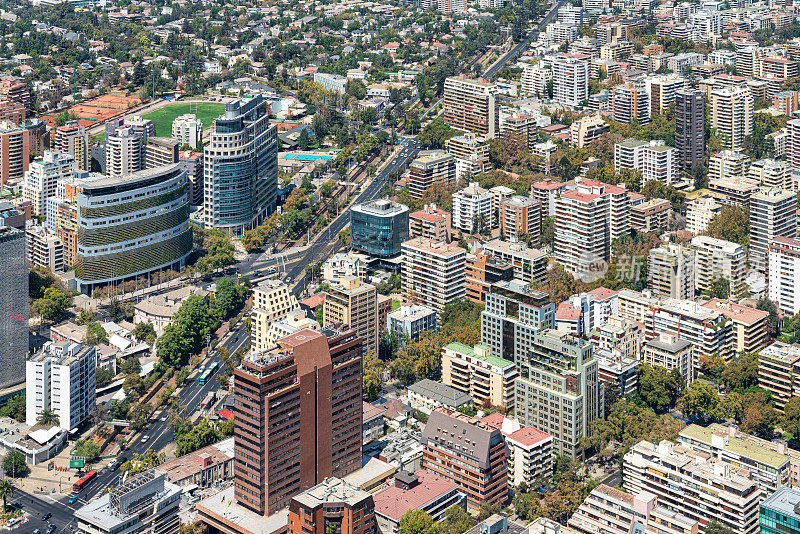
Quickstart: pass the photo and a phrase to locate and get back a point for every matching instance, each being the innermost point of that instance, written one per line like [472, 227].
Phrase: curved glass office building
[131, 225]
[378, 228]
[241, 167]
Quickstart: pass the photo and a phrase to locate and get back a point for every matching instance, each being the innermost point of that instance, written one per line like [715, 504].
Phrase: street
[294, 263]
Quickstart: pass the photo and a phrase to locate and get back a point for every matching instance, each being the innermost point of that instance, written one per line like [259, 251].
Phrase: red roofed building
[749, 323]
[589, 216]
[423, 490]
[530, 455]
[430, 222]
[546, 192]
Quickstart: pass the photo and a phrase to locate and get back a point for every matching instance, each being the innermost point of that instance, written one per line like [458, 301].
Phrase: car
[47, 516]
[145, 438]
[73, 498]
[113, 464]
[50, 528]
[164, 418]
[37, 531]
[271, 269]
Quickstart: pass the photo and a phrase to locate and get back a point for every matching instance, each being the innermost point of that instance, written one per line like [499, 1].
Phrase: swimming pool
[308, 157]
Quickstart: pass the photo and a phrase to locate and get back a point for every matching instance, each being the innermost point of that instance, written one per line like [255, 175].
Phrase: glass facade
[379, 228]
[780, 513]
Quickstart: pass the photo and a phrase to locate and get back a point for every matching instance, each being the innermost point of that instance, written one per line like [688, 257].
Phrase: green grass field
[162, 118]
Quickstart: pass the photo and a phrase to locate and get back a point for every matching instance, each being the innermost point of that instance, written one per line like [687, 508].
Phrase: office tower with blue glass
[240, 167]
[378, 228]
[780, 512]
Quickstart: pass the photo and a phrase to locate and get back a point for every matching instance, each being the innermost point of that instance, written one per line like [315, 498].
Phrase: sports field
[162, 118]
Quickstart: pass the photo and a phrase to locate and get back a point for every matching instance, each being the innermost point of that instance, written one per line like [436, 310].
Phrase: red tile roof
[737, 312]
[565, 312]
[314, 300]
[394, 502]
[602, 293]
[494, 420]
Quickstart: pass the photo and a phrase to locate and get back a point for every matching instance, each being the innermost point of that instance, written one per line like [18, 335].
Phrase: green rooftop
[737, 445]
[464, 350]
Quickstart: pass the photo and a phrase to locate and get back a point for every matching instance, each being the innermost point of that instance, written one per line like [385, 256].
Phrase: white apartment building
[726, 164]
[661, 91]
[560, 32]
[793, 143]
[570, 14]
[530, 455]
[769, 468]
[700, 212]
[61, 378]
[271, 300]
[715, 258]
[671, 271]
[610, 510]
[718, 489]
[292, 322]
[473, 209]
[732, 114]
[44, 249]
[670, 352]
[123, 152]
[771, 173]
[783, 274]
[773, 213]
[42, 177]
[571, 79]
[534, 79]
[188, 129]
[654, 159]
[433, 272]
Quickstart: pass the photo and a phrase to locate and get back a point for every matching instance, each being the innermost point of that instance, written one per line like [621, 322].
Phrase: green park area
[162, 118]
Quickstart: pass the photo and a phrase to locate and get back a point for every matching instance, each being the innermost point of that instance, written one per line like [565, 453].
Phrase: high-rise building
[44, 249]
[482, 472]
[160, 151]
[192, 163]
[690, 127]
[298, 415]
[783, 274]
[651, 215]
[486, 378]
[670, 352]
[588, 218]
[408, 322]
[662, 91]
[793, 143]
[473, 209]
[529, 264]
[778, 370]
[354, 303]
[771, 173]
[521, 130]
[483, 270]
[472, 105]
[671, 271]
[727, 164]
[700, 212]
[587, 129]
[61, 378]
[16, 91]
[143, 504]
[571, 79]
[780, 511]
[521, 215]
[772, 214]
[143, 128]
[16, 145]
[240, 167]
[629, 103]
[467, 144]
[613, 511]
[42, 177]
[271, 301]
[129, 226]
[429, 168]
[654, 159]
[719, 491]
[331, 506]
[557, 389]
[378, 228]
[13, 306]
[732, 115]
[513, 313]
[751, 326]
[188, 130]
[123, 152]
[717, 258]
[433, 272]
[73, 139]
[430, 222]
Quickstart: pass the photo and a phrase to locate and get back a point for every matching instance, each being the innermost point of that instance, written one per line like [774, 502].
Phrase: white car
[145, 439]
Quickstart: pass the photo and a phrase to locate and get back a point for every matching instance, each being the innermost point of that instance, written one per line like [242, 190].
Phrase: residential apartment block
[772, 214]
[271, 301]
[430, 222]
[430, 168]
[717, 258]
[521, 215]
[332, 502]
[732, 114]
[778, 368]
[354, 303]
[433, 272]
[783, 274]
[473, 209]
[472, 106]
[671, 271]
[486, 378]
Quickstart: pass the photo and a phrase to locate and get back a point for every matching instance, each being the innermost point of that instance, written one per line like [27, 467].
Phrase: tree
[87, 449]
[699, 401]
[14, 464]
[791, 416]
[417, 522]
[742, 372]
[659, 388]
[7, 489]
[229, 297]
[47, 417]
[53, 303]
[95, 334]
[719, 288]
[732, 223]
[144, 331]
[715, 527]
[558, 283]
[548, 231]
[436, 132]
[765, 304]
[456, 521]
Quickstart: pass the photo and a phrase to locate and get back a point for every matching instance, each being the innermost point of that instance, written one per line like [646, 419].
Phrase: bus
[207, 373]
[208, 400]
[84, 481]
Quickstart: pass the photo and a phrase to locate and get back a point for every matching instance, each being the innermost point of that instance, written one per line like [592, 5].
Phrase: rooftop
[482, 355]
[393, 502]
[515, 248]
[331, 490]
[738, 446]
[785, 500]
[437, 248]
[381, 207]
[529, 435]
[440, 393]
[223, 507]
[737, 312]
